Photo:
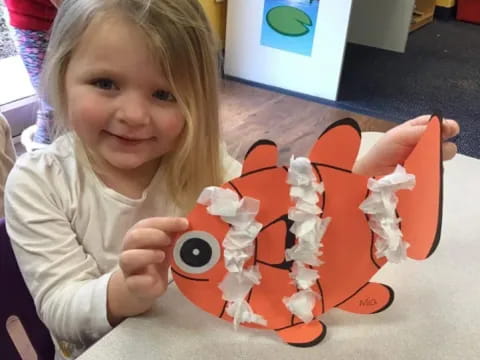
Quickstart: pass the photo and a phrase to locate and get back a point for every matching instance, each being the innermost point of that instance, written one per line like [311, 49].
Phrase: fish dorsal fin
[263, 154]
[338, 145]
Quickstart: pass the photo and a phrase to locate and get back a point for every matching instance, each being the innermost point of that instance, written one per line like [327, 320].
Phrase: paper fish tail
[303, 335]
[338, 145]
[372, 298]
[421, 208]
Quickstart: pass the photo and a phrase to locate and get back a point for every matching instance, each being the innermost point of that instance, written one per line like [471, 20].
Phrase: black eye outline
[208, 239]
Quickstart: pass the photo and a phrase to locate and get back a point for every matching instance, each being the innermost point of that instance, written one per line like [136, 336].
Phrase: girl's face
[118, 101]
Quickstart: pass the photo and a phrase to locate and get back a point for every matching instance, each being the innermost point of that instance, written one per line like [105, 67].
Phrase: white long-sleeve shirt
[7, 156]
[67, 229]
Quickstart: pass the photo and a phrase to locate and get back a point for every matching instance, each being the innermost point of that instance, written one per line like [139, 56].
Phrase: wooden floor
[249, 114]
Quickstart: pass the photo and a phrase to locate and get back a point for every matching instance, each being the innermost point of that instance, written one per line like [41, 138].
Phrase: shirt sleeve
[231, 167]
[7, 157]
[67, 287]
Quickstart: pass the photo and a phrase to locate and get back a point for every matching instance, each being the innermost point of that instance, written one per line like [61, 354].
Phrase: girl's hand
[396, 145]
[145, 257]
[144, 264]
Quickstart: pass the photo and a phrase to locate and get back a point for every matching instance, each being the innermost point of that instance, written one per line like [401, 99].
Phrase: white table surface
[435, 315]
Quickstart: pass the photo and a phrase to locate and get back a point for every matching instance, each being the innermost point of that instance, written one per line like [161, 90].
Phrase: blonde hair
[181, 38]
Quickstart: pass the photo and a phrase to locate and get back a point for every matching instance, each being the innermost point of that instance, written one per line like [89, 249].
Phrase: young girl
[134, 84]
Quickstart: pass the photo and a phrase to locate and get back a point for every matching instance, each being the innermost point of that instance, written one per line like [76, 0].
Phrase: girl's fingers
[146, 285]
[146, 238]
[420, 120]
[136, 260]
[166, 224]
[406, 135]
[450, 128]
[449, 150]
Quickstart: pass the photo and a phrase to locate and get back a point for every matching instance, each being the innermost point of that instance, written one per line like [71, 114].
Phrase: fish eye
[196, 252]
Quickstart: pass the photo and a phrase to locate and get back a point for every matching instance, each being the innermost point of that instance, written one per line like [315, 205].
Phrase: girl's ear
[263, 154]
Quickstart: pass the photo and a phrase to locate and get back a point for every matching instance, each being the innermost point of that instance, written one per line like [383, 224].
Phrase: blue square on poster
[290, 25]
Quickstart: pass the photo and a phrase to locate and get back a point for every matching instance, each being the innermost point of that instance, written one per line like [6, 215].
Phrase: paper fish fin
[338, 145]
[421, 208]
[372, 298]
[263, 154]
[303, 335]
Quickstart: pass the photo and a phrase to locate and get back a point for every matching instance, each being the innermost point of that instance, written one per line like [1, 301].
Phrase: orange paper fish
[277, 249]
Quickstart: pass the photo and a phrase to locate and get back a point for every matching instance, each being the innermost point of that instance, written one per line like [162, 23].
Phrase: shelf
[423, 14]
[420, 20]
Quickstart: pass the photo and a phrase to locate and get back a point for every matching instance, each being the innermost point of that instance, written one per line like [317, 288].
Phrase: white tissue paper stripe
[301, 304]
[309, 229]
[241, 312]
[239, 247]
[304, 277]
[237, 285]
[381, 207]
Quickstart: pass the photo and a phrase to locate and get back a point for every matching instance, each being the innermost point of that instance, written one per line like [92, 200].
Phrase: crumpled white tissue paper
[235, 287]
[309, 229]
[381, 207]
[241, 311]
[238, 247]
[304, 277]
[301, 304]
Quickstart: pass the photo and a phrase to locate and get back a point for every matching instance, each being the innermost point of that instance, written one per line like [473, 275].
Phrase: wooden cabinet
[423, 13]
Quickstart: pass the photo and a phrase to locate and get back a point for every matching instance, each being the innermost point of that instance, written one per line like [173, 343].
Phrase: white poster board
[252, 53]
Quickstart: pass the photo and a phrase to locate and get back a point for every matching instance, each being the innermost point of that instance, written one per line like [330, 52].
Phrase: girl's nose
[134, 111]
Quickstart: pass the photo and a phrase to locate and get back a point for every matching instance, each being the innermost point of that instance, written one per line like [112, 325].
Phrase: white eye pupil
[196, 252]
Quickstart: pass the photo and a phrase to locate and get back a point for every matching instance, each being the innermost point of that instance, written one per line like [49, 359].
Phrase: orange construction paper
[349, 249]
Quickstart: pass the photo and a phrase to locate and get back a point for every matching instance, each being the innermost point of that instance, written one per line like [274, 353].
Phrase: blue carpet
[440, 71]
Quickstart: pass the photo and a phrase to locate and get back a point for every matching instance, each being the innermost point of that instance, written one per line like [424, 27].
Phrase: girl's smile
[126, 140]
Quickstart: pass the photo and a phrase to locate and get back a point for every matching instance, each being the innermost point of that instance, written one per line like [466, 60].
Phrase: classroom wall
[216, 12]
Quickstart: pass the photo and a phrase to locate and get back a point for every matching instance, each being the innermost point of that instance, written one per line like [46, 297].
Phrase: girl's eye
[104, 84]
[164, 95]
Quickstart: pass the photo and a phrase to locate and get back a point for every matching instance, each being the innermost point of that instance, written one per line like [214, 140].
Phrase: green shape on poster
[289, 21]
